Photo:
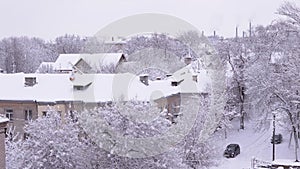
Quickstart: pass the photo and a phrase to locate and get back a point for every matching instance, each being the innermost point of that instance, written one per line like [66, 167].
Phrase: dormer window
[81, 86]
[176, 83]
[144, 79]
[78, 87]
[195, 78]
[188, 60]
[30, 81]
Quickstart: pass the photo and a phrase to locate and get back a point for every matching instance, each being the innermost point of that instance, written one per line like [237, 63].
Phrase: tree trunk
[242, 124]
[295, 134]
[296, 143]
[242, 96]
[291, 136]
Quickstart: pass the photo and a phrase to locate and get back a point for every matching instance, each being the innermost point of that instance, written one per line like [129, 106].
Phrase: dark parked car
[232, 150]
[277, 139]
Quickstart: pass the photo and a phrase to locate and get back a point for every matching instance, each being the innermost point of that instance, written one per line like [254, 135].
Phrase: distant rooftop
[67, 61]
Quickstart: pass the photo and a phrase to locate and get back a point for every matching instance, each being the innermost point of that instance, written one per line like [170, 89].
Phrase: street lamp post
[273, 138]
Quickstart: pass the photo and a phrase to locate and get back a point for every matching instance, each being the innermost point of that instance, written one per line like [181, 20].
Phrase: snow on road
[253, 144]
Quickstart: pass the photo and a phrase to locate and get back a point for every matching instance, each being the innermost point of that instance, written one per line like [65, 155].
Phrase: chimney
[144, 79]
[30, 81]
[187, 60]
[195, 78]
[174, 83]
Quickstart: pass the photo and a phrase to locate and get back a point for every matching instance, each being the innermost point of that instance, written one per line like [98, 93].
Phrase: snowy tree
[273, 72]
[154, 51]
[234, 52]
[163, 51]
[23, 54]
[142, 120]
[291, 11]
[69, 44]
[194, 42]
[133, 120]
[94, 45]
[12, 149]
[52, 142]
[151, 58]
[196, 149]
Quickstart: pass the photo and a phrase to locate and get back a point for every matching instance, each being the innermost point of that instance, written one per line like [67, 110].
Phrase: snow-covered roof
[286, 162]
[49, 87]
[3, 119]
[188, 84]
[94, 87]
[66, 61]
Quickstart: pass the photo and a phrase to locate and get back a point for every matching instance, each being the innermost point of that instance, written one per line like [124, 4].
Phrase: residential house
[27, 96]
[19, 113]
[24, 95]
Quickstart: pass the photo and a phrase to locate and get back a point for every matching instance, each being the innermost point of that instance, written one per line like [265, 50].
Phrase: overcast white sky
[51, 18]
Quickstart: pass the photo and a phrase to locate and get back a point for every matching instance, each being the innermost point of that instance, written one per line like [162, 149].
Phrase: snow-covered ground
[253, 144]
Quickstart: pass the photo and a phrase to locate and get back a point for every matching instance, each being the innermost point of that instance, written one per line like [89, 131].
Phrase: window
[59, 113]
[28, 114]
[9, 113]
[78, 87]
[44, 113]
[5, 131]
[25, 136]
[30, 81]
[8, 134]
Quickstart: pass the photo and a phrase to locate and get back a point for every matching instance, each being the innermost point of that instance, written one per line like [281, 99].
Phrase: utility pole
[273, 138]
[236, 33]
[250, 29]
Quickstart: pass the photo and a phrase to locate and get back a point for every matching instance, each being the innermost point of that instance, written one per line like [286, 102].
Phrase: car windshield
[277, 136]
[230, 147]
